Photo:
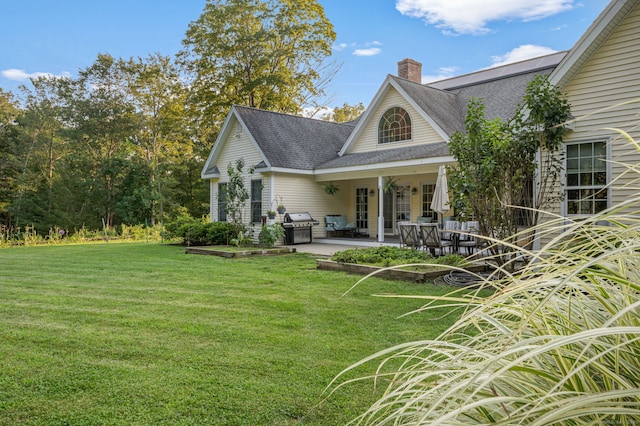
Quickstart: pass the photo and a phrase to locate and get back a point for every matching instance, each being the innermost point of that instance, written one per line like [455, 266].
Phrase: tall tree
[101, 120]
[9, 166]
[161, 139]
[268, 54]
[344, 113]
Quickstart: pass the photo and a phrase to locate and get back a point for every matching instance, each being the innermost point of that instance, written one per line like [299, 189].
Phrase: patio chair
[468, 237]
[432, 240]
[409, 235]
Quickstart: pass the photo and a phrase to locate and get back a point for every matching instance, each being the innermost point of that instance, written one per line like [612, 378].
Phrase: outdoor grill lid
[298, 217]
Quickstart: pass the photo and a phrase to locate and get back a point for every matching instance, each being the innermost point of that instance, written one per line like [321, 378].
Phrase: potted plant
[281, 208]
[271, 214]
[330, 188]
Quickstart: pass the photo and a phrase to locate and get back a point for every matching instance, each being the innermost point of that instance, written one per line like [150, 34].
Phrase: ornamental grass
[558, 343]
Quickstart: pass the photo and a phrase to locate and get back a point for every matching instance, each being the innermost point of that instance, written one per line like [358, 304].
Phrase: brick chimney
[410, 70]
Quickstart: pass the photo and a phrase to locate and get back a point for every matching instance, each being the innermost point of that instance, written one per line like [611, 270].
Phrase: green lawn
[145, 334]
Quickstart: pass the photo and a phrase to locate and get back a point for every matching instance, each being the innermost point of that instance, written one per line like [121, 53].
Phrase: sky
[449, 37]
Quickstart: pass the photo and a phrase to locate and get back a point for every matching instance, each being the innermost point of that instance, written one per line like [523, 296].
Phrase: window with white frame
[222, 202]
[256, 201]
[586, 179]
[362, 208]
[394, 126]
[427, 197]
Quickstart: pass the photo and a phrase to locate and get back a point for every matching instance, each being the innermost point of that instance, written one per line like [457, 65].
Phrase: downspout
[212, 202]
[380, 210]
[272, 190]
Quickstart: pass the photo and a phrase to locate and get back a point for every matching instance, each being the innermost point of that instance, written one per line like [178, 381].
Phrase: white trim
[588, 40]
[386, 165]
[223, 138]
[367, 116]
[563, 181]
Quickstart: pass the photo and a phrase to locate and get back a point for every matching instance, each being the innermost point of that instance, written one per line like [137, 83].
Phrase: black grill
[298, 228]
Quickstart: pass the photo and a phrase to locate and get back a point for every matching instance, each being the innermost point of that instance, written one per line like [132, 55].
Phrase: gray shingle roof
[430, 150]
[301, 143]
[442, 106]
[290, 141]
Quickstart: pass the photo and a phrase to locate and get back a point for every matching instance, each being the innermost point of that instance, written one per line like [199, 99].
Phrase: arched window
[394, 126]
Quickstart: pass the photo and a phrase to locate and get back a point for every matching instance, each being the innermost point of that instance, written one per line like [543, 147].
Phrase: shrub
[392, 256]
[269, 234]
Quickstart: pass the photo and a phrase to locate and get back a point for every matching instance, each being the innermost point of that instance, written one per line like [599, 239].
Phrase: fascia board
[217, 145]
[387, 165]
[586, 41]
[224, 135]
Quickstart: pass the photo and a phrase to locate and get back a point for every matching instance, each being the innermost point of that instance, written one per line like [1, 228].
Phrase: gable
[604, 91]
[238, 145]
[367, 138]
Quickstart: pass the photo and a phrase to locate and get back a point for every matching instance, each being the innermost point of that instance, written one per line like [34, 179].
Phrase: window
[427, 196]
[222, 202]
[394, 126]
[362, 208]
[586, 191]
[256, 201]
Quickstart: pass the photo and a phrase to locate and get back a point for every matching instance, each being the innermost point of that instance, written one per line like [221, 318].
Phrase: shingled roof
[299, 143]
[290, 141]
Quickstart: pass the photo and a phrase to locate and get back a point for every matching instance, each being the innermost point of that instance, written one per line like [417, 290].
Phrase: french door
[397, 208]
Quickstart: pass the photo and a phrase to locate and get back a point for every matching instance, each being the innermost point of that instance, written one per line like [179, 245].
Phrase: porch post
[380, 210]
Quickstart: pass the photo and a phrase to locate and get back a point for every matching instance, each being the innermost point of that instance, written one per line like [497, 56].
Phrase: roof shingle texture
[290, 141]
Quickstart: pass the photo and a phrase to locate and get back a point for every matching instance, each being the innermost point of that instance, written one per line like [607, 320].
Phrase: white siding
[609, 79]
[421, 131]
[239, 145]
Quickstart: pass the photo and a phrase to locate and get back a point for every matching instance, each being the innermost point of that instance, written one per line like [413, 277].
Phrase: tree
[506, 173]
[101, 119]
[160, 140]
[267, 54]
[9, 166]
[344, 113]
[237, 194]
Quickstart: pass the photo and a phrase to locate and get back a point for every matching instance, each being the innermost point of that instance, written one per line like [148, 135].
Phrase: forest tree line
[124, 141]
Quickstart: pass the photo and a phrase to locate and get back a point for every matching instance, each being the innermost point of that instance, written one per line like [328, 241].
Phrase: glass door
[397, 208]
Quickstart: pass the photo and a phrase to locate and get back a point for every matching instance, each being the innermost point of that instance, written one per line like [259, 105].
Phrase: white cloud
[22, 75]
[371, 51]
[472, 16]
[340, 46]
[444, 72]
[520, 53]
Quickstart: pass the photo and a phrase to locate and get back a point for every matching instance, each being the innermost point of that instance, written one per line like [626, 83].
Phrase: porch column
[380, 210]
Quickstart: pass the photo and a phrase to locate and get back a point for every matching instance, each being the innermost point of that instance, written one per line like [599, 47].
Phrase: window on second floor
[394, 126]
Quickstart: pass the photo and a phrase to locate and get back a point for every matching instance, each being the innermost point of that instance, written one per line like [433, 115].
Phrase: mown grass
[145, 334]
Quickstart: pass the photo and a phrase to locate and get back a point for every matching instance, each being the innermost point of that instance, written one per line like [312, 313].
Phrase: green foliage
[269, 234]
[266, 54]
[345, 113]
[237, 194]
[496, 164]
[200, 232]
[392, 256]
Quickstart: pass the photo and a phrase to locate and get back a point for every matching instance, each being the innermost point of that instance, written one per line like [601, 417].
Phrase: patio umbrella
[440, 201]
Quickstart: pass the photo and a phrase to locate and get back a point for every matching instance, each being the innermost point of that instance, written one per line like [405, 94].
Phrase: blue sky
[449, 37]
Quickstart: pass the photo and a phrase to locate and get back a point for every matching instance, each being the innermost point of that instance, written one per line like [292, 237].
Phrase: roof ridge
[317, 120]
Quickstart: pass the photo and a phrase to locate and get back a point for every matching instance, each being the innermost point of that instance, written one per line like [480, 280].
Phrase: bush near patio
[393, 256]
